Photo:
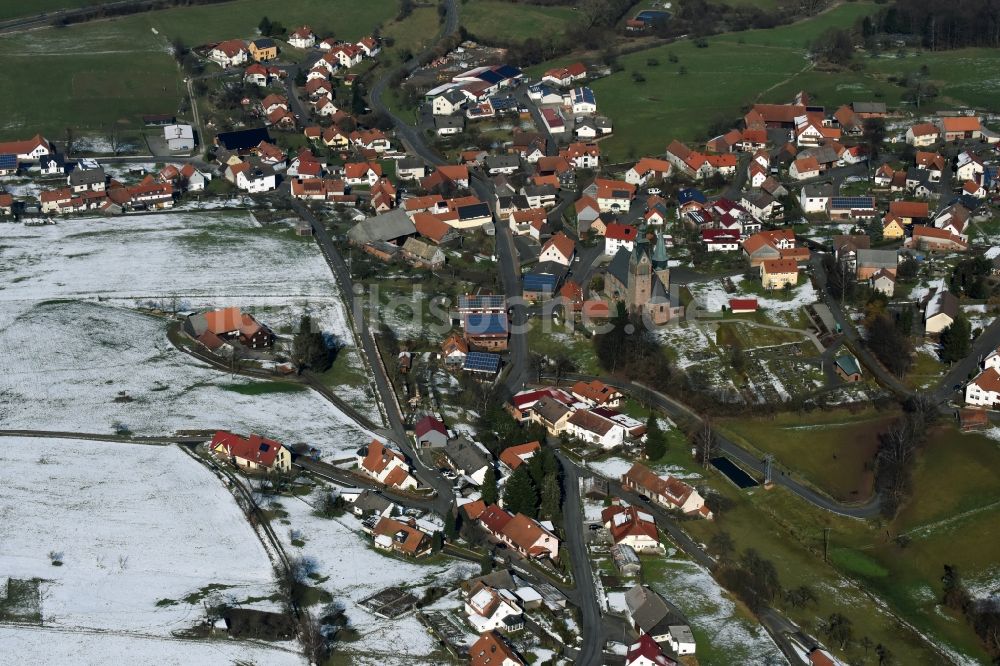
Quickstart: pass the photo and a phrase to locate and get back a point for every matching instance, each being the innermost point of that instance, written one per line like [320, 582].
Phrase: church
[641, 279]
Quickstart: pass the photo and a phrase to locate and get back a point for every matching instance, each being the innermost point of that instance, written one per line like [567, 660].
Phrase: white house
[984, 390]
[580, 101]
[560, 249]
[631, 527]
[922, 135]
[804, 168]
[251, 177]
[28, 150]
[487, 608]
[593, 429]
[229, 53]
[618, 236]
[681, 639]
[303, 38]
[385, 465]
[815, 198]
[969, 167]
[448, 102]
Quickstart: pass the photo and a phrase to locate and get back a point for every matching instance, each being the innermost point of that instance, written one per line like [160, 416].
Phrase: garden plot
[132, 525]
[723, 635]
[64, 364]
[337, 549]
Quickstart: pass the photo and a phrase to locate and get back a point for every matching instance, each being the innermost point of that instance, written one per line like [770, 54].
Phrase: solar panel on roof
[8, 161]
[539, 282]
[482, 361]
[852, 202]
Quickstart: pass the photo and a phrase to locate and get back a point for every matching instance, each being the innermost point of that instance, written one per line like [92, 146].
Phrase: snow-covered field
[134, 524]
[338, 549]
[47, 645]
[714, 618]
[199, 260]
[62, 365]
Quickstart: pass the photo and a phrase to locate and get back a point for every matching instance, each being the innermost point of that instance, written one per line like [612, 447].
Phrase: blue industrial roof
[482, 362]
[486, 323]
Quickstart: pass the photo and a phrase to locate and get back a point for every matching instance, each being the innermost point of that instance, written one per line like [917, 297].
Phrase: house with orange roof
[528, 222]
[647, 170]
[909, 212]
[253, 453]
[456, 175]
[488, 608]
[371, 139]
[229, 324]
[385, 465]
[491, 650]
[565, 76]
[454, 349]
[582, 155]
[28, 150]
[6, 204]
[779, 273]
[401, 537]
[515, 456]
[804, 168]
[524, 535]
[612, 195]
[984, 389]
[957, 128]
[433, 228]
[668, 492]
[931, 239]
[369, 46]
[922, 135]
[362, 173]
[596, 393]
[560, 249]
[892, 228]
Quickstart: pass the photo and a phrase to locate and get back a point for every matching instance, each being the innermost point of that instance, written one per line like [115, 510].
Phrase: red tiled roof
[254, 448]
[515, 456]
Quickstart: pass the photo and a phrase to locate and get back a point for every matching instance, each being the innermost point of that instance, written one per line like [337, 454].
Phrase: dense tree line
[630, 349]
[940, 25]
[889, 344]
[534, 488]
[109, 11]
[982, 614]
[897, 452]
[752, 578]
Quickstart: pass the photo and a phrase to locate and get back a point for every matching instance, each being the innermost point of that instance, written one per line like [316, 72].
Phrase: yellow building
[263, 49]
[892, 229]
[776, 273]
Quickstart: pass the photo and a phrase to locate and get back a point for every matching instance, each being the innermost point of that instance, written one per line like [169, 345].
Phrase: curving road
[746, 458]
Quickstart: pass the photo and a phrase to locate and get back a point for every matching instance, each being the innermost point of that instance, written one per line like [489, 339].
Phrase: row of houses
[234, 52]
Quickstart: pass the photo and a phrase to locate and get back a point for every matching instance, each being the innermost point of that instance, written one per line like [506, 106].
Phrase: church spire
[660, 259]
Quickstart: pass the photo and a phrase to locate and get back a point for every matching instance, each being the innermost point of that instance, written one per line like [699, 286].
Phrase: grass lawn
[500, 20]
[789, 533]
[926, 371]
[106, 72]
[264, 388]
[10, 9]
[830, 449]
[578, 347]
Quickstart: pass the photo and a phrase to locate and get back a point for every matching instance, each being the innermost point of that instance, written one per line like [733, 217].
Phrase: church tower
[640, 273]
[661, 262]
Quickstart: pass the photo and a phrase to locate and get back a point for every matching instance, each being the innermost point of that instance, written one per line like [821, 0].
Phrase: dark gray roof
[619, 265]
[877, 258]
[868, 107]
[369, 503]
[87, 176]
[550, 409]
[466, 455]
[650, 612]
[498, 580]
[502, 161]
[538, 190]
[411, 163]
[394, 224]
[819, 190]
[449, 121]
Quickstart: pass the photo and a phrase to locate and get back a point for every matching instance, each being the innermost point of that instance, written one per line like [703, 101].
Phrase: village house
[430, 432]
[922, 135]
[668, 492]
[590, 427]
[596, 393]
[454, 349]
[385, 465]
[957, 128]
[815, 198]
[422, 255]
[560, 248]
[647, 652]
[551, 413]
[984, 389]
[526, 536]
[81, 180]
[254, 453]
[468, 459]
[397, 536]
[779, 273]
[647, 170]
[229, 53]
[931, 239]
[565, 76]
[941, 308]
[650, 615]
[263, 49]
[216, 328]
[488, 609]
[515, 456]
[631, 527]
[302, 38]
[28, 150]
[491, 650]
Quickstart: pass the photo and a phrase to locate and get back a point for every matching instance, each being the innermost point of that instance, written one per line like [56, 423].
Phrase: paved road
[100, 437]
[590, 650]
[44, 19]
[342, 275]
